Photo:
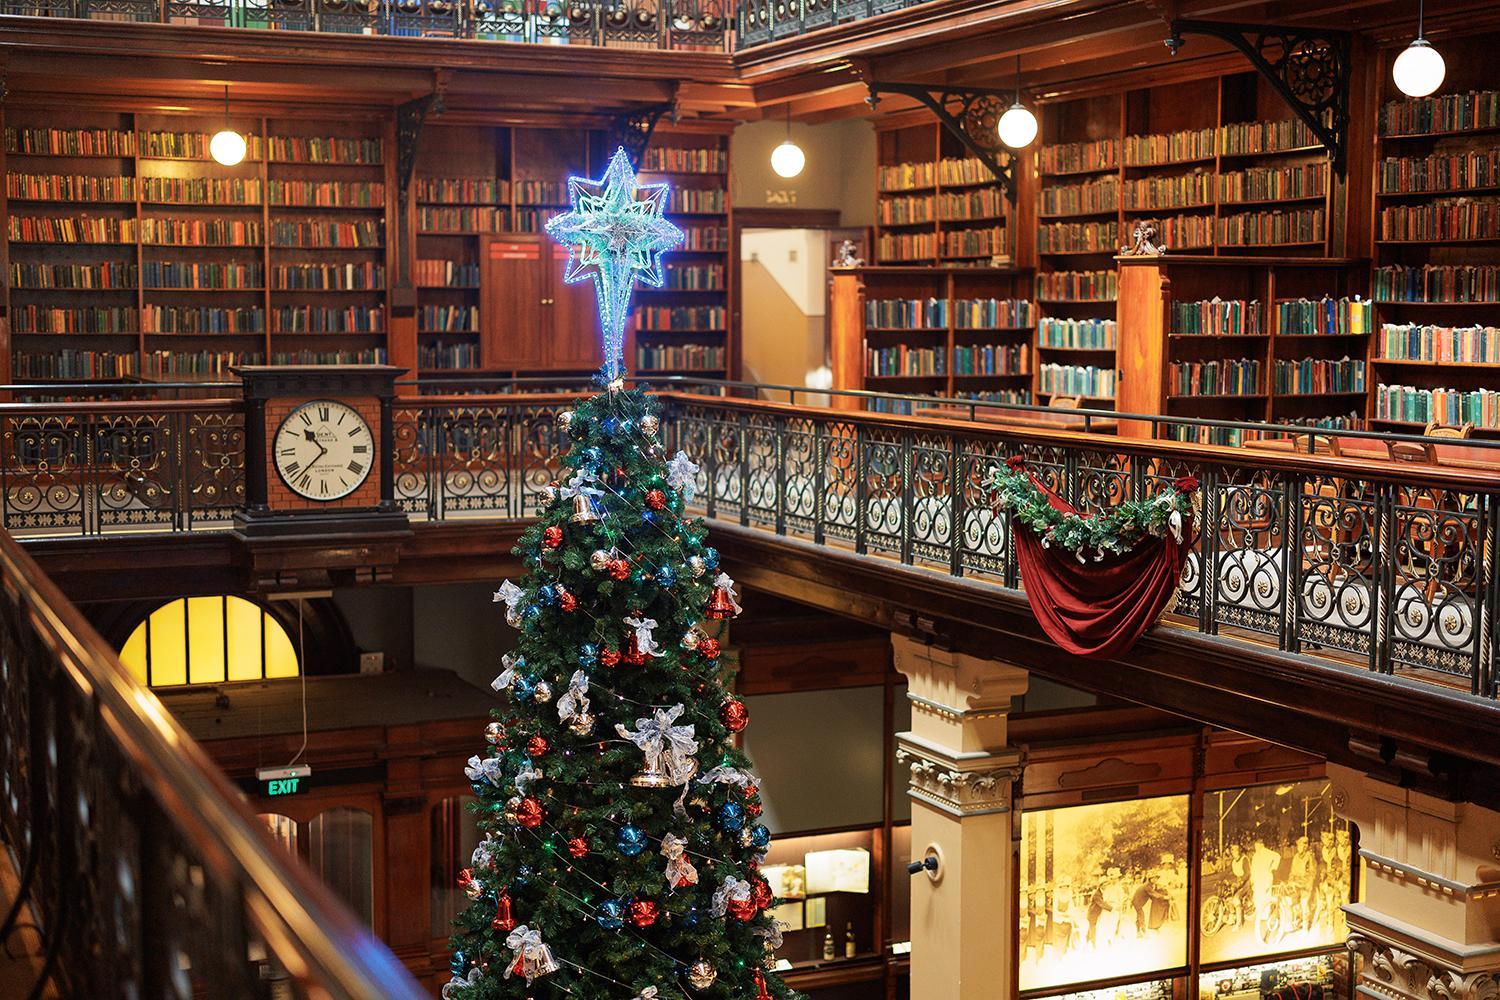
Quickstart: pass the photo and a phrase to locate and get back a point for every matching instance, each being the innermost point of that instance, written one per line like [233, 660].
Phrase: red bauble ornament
[643, 912]
[567, 601]
[619, 569]
[742, 909]
[609, 657]
[719, 605]
[578, 846]
[631, 652]
[503, 921]
[709, 647]
[762, 894]
[656, 499]
[537, 746]
[751, 790]
[753, 808]
[552, 536]
[529, 813]
[734, 715]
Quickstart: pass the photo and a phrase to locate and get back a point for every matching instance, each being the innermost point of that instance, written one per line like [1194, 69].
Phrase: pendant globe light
[788, 159]
[1017, 127]
[1419, 69]
[227, 146]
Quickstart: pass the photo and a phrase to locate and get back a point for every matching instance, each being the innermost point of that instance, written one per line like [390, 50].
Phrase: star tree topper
[614, 233]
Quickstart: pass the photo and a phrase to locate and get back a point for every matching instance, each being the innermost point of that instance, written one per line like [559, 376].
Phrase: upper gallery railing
[141, 871]
[1391, 566]
[681, 25]
[762, 21]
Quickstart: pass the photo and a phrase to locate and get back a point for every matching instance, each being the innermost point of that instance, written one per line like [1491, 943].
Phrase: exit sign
[279, 782]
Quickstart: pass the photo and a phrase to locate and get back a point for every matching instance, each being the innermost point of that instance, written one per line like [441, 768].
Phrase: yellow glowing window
[208, 640]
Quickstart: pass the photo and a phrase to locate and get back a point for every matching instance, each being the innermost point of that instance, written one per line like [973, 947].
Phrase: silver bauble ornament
[599, 560]
[510, 808]
[690, 639]
[494, 732]
[649, 424]
[581, 725]
[696, 565]
[513, 617]
[701, 975]
[542, 692]
[564, 419]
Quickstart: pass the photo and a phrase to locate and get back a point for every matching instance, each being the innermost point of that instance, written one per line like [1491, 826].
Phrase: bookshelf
[1279, 340]
[936, 204]
[1436, 279]
[951, 331]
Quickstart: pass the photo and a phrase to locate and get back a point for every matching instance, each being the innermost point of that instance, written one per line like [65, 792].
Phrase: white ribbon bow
[579, 485]
[575, 702]
[680, 870]
[669, 747]
[723, 580]
[649, 993]
[725, 775]
[682, 476]
[732, 888]
[483, 769]
[507, 676]
[527, 949]
[483, 853]
[457, 984]
[772, 933]
[510, 594]
[525, 777]
[644, 640]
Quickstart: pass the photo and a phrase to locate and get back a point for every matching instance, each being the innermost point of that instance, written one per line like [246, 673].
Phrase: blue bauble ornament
[648, 515]
[547, 594]
[523, 688]
[459, 965]
[523, 875]
[593, 456]
[610, 426]
[690, 918]
[631, 840]
[731, 816]
[588, 655]
[666, 576]
[610, 915]
[530, 614]
[480, 787]
[760, 838]
[711, 558]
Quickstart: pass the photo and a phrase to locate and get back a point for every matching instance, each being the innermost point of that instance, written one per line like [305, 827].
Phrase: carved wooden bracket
[632, 130]
[972, 115]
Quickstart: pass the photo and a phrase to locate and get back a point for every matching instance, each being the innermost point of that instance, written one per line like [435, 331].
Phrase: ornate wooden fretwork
[632, 130]
[971, 114]
[1307, 67]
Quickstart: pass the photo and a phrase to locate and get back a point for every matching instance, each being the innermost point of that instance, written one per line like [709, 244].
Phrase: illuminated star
[614, 233]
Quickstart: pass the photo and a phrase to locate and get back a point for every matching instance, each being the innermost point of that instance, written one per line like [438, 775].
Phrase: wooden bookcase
[950, 331]
[936, 204]
[1280, 340]
[1432, 274]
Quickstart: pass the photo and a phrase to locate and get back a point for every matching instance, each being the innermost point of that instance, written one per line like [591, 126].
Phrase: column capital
[960, 784]
[958, 701]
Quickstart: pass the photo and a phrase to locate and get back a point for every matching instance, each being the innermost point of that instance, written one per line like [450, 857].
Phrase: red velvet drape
[1098, 608]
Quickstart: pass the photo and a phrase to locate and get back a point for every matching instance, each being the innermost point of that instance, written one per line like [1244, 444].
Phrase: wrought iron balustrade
[141, 871]
[760, 21]
[680, 25]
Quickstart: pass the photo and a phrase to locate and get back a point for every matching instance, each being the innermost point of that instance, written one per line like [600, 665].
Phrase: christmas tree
[621, 846]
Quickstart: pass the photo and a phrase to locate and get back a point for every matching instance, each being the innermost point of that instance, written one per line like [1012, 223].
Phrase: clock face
[323, 450]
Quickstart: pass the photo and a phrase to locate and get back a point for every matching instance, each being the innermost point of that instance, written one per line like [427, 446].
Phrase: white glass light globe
[227, 147]
[1017, 127]
[1419, 69]
[788, 159]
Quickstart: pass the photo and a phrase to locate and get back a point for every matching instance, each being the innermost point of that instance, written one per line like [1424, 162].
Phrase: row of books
[1441, 171]
[202, 319]
[1173, 147]
[1302, 180]
[366, 276]
[694, 278]
[705, 238]
[69, 187]
[465, 219]
[907, 176]
[1311, 376]
[534, 220]
[703, 200]
[448, 319]
[1088, 334]
[201, 190]
[1076, 380]
[1073, 286]
[955, 170]
[1078, 237]
[1437, 283]
[681, 318]
[192, 145]
[907, 211]
[69, 363]
[322, 319]
[71, 141]
[169, 231]
[67, 229]
[1080, 157]
[1250, 138]
[907, 314]
[1271, 228]
[1325, 316]
[461, 354]
[1442, 219]
[354, 235]
[364, 356]
[1224, 437]
[32, 318]
[1175, 191]
[1220, 377]
[535, 192]
[203, 274]
[1217, 317]
[197, 362]
[327, 194]
[680, 357]
[102, 276]
[463, 190]
[988, 314]
[974, 243]
[125, 143]
[326, 150]
[1446, 406]
[906, 361]
[685, 160]
[447, 273]
[992, 359]
[1084, 198]
[1443, 113]
[1021, 396]
[1444, 344]
[975, 203]
[1234, 139]
[1185, 232]
[906, 246]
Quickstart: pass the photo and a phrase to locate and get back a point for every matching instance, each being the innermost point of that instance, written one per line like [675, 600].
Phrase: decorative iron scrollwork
[971, 115]
[632, 130]
[1307, 67]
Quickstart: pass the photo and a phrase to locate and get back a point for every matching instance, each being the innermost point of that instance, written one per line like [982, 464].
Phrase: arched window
[209, 640]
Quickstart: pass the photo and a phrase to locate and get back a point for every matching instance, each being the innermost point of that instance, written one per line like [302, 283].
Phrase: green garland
[1116, 530]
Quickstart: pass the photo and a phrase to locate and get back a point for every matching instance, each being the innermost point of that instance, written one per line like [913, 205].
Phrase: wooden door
[513, 293]
[575, 341]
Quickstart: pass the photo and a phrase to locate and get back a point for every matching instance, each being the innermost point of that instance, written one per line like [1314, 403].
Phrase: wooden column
[1428, 925]
[1141, 341]
[846, 336]
[962, 775]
